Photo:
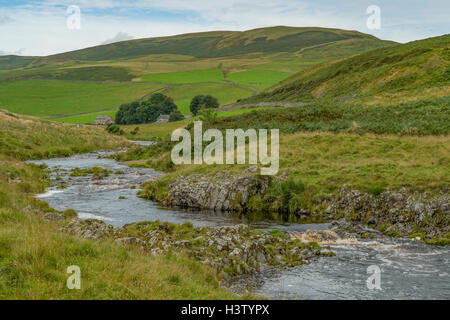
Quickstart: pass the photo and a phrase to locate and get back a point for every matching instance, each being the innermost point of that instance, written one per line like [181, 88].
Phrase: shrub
[135, 131]
[115, 129]
[208, 116]
[175, 115]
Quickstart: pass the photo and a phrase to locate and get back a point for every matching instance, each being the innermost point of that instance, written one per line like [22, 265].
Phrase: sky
[39, 28]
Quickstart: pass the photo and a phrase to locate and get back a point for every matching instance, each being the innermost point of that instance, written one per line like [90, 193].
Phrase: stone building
[103, 121]
[162, 118]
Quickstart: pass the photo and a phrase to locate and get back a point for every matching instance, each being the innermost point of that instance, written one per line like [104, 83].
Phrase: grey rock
[221, 192]
[130, 241]
[54, 217]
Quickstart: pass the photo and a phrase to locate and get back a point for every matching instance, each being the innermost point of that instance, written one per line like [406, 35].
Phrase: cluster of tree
[203, 102]
[145, 111]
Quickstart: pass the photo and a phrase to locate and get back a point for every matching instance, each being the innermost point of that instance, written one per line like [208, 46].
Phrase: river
[409, 269]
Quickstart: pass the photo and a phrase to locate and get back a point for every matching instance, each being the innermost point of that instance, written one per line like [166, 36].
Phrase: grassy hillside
[186, 76]
[34, 254]
[213, 44]
[254, 59]
[44, 98]
[225, 93]
[401, 72]
[285, 49]
[258, 79]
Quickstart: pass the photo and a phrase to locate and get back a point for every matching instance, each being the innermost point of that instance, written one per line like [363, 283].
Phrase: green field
[87, 118]
[225, 93]
[182, 105]
[49, 98]
[214, 75]
[258, 79]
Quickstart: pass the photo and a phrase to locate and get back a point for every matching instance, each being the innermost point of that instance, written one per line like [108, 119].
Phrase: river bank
[322, 277]
[397, 213]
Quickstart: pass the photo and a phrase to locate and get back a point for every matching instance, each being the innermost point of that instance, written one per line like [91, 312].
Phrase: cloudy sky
[49, 26]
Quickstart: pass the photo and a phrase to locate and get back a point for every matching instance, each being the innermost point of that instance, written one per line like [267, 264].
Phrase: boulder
[221, 192]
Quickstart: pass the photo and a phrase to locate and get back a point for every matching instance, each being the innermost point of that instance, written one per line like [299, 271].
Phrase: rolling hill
[193, 51]
[405, 72]
[239, 64]
[207, 45]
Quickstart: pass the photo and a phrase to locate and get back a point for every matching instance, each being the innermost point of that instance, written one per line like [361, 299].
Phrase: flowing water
[409, 269]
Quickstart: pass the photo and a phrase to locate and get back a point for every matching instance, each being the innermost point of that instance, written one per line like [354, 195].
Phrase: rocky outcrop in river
[398, 213]
[230, 250]
[395, 213]
[221, 192]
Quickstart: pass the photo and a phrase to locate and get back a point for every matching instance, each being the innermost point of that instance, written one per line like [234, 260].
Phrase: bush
[115, 129]
[203, 102]
[135, 131]
[208, 116]
[175, 115]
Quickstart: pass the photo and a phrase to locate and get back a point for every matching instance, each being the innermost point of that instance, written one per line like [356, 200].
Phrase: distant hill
[419, 68]
[208, 45]
[229, 65]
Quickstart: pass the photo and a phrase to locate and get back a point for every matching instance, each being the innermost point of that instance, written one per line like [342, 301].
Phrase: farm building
[103, 121]
[162, 118]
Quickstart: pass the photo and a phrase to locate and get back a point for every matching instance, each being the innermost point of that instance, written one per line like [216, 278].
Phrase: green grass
[193, 76]
[397, 73]
[324, 162]
[258, 79]
[25, 138]
[35, 254]
[155, 131]
[425, 117]
[87, 118]
[35, 257]
[49, 98]
[329, 145]
[225, 93]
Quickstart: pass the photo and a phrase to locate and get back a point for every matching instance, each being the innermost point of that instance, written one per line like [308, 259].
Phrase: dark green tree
[196, 104]
[164, 103]
[202, 101]
[145, 111]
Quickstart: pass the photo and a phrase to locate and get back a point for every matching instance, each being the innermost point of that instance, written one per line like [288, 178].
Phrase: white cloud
[4, 19]
[120, 36]
[17, 52]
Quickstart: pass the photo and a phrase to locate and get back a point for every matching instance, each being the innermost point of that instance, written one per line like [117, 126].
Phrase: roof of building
[103, 118]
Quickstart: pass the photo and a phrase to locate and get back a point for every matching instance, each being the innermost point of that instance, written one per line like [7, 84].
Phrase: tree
[202, 101]
[209, 102]
[145, 111]
[164, 103]
[175, 115]
[196, 104]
